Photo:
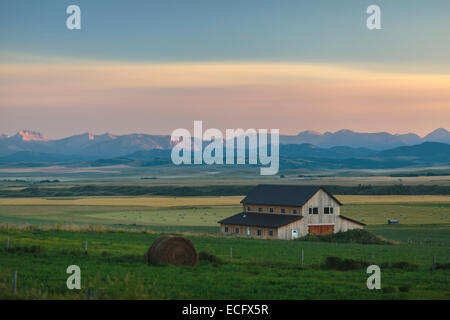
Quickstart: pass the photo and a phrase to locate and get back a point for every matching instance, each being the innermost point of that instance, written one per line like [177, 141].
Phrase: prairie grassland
[406, 213]
[209, 175]
[127, 201]
[206, 211]
[159, 201]
[356, 199]
[118, 215]
[115, 268]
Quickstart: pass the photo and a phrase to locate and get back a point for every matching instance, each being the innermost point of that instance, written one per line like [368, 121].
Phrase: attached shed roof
[355, 221]
[266, 220]
[283, 195]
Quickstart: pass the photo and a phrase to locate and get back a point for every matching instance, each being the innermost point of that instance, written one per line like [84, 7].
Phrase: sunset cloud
[269, 94]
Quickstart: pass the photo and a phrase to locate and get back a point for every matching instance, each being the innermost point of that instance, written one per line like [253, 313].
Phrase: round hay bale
[173, 250]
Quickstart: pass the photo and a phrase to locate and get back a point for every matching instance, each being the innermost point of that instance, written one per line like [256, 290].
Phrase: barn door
[327, 229]
[322, 229]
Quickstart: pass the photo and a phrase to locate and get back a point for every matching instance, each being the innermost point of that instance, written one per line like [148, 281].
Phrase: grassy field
[192, 212]
[261, 269]
[157, 213]
[210, 175]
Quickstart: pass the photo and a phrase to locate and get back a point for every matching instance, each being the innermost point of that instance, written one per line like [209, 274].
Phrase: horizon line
[44, 137]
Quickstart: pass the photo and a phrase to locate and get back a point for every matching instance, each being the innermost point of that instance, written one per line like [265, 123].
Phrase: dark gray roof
[267, 220]
[282, 195]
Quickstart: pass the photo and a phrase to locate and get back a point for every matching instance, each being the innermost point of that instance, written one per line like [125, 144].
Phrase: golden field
[206, 211]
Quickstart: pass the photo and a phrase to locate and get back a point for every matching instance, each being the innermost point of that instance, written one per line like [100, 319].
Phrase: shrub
[23, 249]
[388, 290]
[351, 236]
[443, 266]
[335, 263]
[404, 265]
[403, 288]
[205, 256]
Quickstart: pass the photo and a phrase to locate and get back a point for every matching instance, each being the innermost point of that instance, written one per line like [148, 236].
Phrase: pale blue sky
[218, 30]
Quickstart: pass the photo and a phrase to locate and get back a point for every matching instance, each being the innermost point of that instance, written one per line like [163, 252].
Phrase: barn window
[259, 209]
[271, 209]
[248, 208]
[283, 210]
[310, 210]
[271, 233]
[259, 232]
[326, 210]
[331, 210]
[226, 229]
[316, 210]
[236, 230]
[294, 211]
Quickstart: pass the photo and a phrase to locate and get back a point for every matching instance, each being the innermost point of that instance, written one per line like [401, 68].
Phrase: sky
[155, 66]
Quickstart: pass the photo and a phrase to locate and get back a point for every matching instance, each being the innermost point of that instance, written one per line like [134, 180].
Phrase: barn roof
[355, 221]
[266, 220]
[283, 195]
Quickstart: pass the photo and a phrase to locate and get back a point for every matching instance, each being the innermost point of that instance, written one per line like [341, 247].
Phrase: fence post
[231, 254]
[89, 294]
[14, 282]
[85, 247]
[7, 244]
[302, 258]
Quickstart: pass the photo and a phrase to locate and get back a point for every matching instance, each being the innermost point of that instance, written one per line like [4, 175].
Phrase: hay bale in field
[172, 250]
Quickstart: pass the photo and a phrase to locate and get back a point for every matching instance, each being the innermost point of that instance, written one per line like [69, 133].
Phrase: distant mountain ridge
[89, 146]
[84, 146]
[304, 156]
[376, 141]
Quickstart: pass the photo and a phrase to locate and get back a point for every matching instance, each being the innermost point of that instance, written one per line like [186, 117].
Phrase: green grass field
[115, 267]
[261, 269]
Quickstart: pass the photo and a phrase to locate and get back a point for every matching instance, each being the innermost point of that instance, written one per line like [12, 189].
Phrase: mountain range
[341, 149]
[376, 141]
[82, 146]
